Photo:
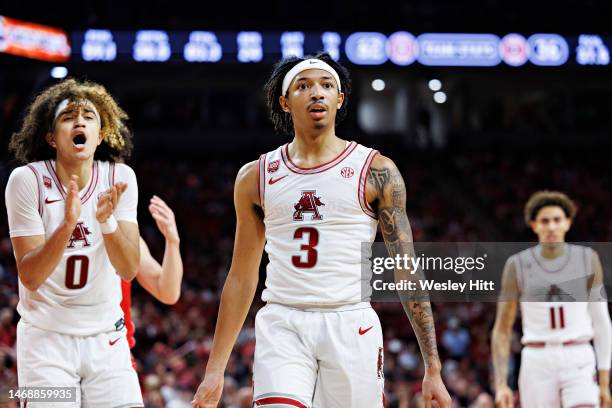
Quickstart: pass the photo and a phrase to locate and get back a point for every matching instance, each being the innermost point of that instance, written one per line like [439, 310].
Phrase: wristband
[109, 226]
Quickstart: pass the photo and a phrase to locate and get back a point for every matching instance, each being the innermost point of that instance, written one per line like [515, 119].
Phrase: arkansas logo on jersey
[309, 203]
[79, 234]
[555, 293]
[273, 166]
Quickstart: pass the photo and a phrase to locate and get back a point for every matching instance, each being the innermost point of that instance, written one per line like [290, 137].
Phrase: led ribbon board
[33, 40]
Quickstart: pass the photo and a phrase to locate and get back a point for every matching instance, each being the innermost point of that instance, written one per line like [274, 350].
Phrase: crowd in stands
[173, 342]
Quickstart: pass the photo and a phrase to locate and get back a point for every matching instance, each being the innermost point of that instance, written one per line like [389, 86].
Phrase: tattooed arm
[386, 193]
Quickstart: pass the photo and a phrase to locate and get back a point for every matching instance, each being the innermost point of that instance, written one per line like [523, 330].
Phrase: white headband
[312, 63]
[63, 104]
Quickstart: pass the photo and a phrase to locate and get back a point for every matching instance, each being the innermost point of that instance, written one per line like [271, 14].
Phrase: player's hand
[164, 218]
[434, 390]
[504, 397]
[209, 392]
[108, 201]
[72, 208]
[605, 401]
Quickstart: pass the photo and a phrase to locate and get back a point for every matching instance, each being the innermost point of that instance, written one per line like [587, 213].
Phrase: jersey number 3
[310, 239]
[77, 269]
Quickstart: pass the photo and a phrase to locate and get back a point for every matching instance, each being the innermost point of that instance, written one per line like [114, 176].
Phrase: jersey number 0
[77, 266]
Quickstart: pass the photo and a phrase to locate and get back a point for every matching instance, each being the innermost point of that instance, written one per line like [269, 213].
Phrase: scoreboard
[400, 48]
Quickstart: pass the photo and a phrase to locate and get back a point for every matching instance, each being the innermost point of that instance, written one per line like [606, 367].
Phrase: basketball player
[162, 281]
[313, 202]
[72, 219]
[558, 362]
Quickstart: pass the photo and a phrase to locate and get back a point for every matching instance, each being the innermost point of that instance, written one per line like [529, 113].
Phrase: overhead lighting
[439, 97]
[59, 72]
[435, 85]
[378, 85]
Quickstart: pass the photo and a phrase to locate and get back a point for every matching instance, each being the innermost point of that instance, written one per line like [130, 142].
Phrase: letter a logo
[308, 203]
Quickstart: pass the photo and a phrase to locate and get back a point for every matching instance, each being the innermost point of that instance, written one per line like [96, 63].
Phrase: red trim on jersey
[51, 171]
[583, 406]
[365, 182]
[261, 179]
[361, 188]
[279, 400]
[40, 198]
[569, 256]
[519, 273]
[350, 147]
[561, 317]
[90, 187]
[126, 306]
[92, 184]
[113, 173]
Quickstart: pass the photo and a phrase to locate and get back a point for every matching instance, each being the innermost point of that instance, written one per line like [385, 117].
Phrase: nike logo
[47, 201]
[362, 331]
[272, 181]
[112, 342]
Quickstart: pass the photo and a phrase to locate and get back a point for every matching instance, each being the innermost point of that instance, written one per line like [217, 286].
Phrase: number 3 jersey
[81, 296]
[316, 222]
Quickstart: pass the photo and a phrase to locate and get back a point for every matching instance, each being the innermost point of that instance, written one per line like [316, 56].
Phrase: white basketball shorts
[99, 367]
[558, 376]
[318, 358]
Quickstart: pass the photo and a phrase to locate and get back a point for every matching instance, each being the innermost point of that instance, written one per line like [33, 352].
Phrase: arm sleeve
[602, 340]
[22, 202]
[128, 204]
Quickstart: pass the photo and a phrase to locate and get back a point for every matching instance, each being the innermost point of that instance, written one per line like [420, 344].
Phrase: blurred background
[518, 99]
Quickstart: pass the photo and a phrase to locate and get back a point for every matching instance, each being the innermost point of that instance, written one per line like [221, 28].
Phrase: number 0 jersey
[544, 285]
[81, 296]
[316, 222]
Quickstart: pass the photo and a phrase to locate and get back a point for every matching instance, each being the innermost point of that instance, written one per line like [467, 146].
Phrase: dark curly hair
[546, 198]
[29, 143]
[273, 87]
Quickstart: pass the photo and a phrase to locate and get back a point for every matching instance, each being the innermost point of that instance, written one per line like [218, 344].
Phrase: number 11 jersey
[319, 228]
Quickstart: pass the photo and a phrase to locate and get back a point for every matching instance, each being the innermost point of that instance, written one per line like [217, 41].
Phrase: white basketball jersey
[316, 221]
[546, 286]
[81, 297]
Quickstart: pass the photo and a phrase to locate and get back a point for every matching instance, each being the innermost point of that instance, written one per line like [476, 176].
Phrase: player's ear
[340, 100]
[532, 225]
[50, 140]
[284, 103]
[100, 137]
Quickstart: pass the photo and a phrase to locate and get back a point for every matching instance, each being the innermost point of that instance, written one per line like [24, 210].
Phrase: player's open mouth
[79, 140]
[317, 111]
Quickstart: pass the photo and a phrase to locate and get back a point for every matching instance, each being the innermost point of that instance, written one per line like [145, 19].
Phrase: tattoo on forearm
[396, 231]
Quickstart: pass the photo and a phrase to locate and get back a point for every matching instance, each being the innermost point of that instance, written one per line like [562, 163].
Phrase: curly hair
[29, 143]
[545, 198]
[281, 119]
